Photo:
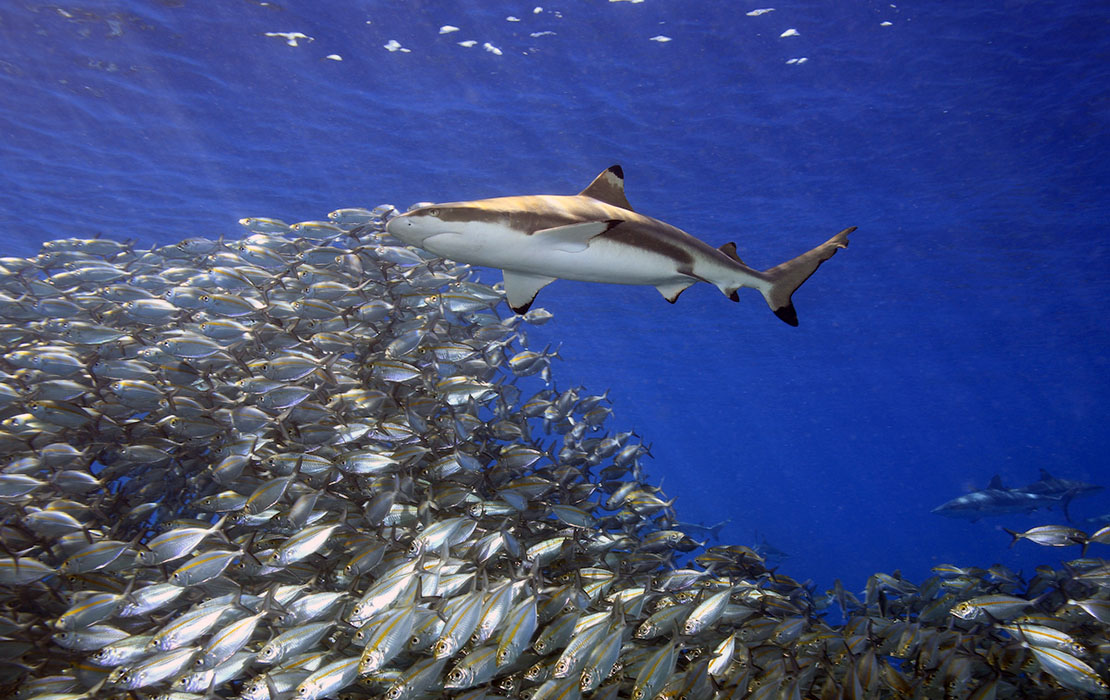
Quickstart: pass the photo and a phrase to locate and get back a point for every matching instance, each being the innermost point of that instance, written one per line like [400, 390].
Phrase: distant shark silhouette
[1051, 486]
[595, 236]
[996, 499]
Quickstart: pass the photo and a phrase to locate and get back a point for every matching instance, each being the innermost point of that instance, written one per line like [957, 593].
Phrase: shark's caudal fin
[787, 277]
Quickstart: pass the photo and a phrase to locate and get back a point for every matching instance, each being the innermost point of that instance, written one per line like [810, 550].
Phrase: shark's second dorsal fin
[729, 249]
[996, 483]
[608, 187]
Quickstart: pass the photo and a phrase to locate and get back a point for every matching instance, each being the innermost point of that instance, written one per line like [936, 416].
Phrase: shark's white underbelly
[602, 261]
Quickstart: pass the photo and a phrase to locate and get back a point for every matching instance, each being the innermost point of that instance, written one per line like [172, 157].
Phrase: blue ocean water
[963, 334]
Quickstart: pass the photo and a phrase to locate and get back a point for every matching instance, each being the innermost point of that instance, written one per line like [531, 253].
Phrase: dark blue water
[964, 333]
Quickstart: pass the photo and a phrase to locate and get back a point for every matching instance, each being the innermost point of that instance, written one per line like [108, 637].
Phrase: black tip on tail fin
[787, 314]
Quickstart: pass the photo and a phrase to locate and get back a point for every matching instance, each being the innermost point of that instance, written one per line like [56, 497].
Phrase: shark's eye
[433, 212]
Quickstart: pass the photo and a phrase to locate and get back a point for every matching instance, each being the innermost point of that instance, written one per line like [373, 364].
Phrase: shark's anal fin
[521, 289]
[574, 238]
[671, 290]
[608, 187]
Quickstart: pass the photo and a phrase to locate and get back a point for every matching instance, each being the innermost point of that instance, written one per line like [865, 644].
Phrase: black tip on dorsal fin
[608, 187]
[996, 483]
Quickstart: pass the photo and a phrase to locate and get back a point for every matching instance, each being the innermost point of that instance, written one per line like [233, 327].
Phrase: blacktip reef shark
[595, 236]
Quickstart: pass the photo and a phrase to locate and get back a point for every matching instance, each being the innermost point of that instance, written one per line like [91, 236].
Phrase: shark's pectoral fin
[671, 290]
[521, 289]
[574, 238]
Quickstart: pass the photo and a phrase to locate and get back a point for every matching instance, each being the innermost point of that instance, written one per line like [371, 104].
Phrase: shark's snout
[405, 229]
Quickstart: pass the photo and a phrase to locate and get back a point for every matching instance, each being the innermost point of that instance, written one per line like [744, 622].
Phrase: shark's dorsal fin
[521, 289]
[608, 187]
[729, 249]
[996, 483]
[1045, 476]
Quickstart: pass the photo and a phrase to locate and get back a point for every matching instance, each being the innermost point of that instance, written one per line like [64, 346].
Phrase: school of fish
[316, 463]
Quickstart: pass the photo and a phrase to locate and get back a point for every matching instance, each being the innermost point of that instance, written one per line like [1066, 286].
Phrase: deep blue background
[963, 334]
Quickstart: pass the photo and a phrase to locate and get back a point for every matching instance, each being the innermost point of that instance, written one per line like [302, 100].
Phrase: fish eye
[204, 298]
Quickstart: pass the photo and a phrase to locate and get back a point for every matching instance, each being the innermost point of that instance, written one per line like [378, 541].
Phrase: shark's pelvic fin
[608, 187]
[521, 289]
[574, 238]
[790, 275]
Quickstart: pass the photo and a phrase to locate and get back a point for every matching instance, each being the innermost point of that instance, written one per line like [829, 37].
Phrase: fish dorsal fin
[608, 187]
[1045, 476]
[996, 483]
[729, 249]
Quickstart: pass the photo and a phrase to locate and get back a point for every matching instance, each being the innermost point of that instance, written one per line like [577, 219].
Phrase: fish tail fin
[1015, 535]
[786, 278]
[1065, 501]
